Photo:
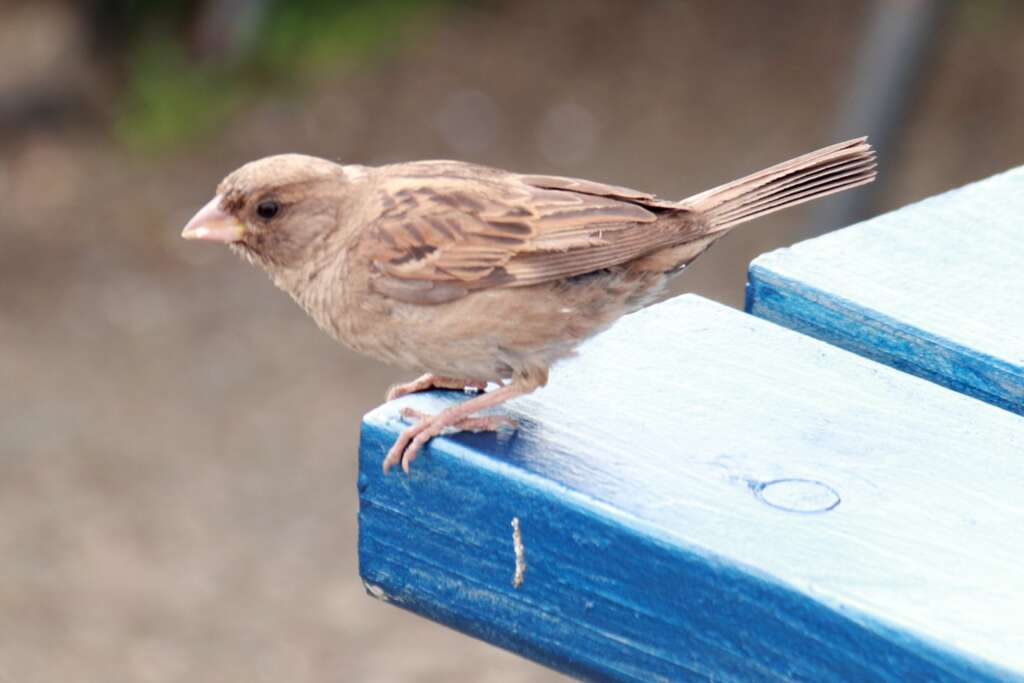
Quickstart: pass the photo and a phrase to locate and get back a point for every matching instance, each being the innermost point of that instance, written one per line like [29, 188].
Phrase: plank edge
[951, 662]
[790, 303]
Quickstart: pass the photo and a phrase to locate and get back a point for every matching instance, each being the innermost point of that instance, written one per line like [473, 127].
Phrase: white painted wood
[943, 279]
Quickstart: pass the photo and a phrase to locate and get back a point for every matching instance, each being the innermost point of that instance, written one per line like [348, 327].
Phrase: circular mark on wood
[805, 496]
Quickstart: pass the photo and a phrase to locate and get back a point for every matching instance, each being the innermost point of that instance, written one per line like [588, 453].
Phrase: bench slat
[704, 495]
[935, 289]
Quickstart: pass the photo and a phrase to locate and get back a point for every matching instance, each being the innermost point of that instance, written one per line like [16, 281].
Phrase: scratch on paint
[517, 547]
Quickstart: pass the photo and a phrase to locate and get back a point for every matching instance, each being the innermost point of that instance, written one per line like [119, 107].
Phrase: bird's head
[274, 211]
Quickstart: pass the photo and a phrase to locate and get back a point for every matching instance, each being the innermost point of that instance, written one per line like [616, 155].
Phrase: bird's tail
[831, 169]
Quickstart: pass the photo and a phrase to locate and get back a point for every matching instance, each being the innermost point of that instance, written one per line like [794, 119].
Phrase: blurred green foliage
[982, 15]
[168, 99]
[315, 34]
[173, 94]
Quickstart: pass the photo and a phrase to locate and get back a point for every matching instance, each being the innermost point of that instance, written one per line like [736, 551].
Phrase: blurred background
[178, 441]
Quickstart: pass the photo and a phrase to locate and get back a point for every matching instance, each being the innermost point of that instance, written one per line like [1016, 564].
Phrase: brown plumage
[477, 275]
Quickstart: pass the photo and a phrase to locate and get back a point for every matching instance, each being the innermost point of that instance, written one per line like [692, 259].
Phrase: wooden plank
[935, 289]
[703, 495]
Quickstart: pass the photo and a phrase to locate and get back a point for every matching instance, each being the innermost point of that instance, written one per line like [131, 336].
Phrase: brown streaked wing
[474, 234]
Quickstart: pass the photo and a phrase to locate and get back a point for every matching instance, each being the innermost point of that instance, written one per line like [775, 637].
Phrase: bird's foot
[430, 381]
[413, 438]
[479, 423]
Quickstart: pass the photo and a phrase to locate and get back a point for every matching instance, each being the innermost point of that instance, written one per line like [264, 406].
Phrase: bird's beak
[212, 224]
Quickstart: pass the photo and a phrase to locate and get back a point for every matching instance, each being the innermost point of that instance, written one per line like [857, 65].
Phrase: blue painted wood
[935, 289]
[703, 495]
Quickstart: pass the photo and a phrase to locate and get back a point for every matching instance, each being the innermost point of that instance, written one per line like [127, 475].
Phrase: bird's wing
[437, 237]
[556, 182]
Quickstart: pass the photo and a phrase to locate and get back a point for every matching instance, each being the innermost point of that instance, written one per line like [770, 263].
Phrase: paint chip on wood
[375, 591]
[520, 552]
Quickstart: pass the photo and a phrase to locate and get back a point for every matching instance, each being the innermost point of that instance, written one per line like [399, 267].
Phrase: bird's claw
[414, 437]
[413, 414]
[481, 423]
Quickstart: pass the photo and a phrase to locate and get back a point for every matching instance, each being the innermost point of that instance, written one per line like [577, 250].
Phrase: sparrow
[476, 276]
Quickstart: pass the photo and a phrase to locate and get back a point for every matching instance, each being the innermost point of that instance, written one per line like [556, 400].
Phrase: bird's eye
[267, 209]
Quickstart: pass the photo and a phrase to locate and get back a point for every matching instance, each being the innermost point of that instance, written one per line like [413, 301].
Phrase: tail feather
[803, 190]
[788, 186]
[831, 169]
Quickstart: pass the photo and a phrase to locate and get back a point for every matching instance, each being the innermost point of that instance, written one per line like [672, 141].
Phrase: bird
[480, 278]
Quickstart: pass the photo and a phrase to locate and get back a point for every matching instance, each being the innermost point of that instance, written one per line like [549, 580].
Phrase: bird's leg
[431, 381]
[412, 438]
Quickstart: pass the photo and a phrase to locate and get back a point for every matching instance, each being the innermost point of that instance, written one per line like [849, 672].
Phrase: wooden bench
[935, 289]
[706, 495]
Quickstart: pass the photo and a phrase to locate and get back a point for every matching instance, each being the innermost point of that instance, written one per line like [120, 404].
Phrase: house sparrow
[478, 275]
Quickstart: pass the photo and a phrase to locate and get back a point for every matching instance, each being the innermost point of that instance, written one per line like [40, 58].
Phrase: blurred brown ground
[177, 440]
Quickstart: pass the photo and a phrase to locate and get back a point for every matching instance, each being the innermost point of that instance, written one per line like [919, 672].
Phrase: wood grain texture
[703, 495]
[935, 289]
